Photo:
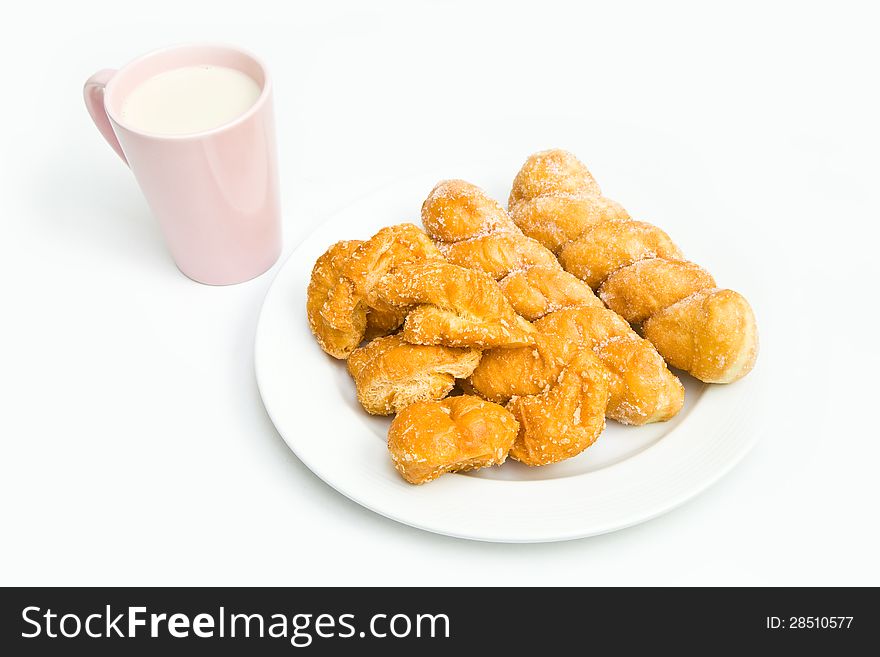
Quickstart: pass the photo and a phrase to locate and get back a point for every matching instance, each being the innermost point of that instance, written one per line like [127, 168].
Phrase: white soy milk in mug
[189, 99]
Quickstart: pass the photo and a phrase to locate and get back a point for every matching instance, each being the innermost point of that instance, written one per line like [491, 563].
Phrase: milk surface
[189, 99]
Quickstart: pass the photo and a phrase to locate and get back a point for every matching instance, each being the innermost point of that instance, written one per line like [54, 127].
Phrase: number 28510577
[809, 623]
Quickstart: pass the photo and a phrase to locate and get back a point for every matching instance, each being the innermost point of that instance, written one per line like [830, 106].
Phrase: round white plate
[630, 475]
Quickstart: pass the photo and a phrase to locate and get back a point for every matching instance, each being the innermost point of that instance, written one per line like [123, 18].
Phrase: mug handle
[93, 94]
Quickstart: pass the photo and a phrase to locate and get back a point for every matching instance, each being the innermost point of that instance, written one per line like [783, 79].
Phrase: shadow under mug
[214, 193]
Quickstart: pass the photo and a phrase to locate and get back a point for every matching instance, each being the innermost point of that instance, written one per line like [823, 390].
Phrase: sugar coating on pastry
[428, 439]
[554, 219]
[531, 277]
[552, 171]
[473, 230]
[391, 247]
[541, 291]
[641, 272]
[642, 389]
[712, 334]
[390, 374]
[536, 291]
[606, 247]
[456, 210]
[565, 419]
[454, 306]
[639, 290]
[499, 254]
[336, 315]
[521, 371]
[590, 325]
[337, 307]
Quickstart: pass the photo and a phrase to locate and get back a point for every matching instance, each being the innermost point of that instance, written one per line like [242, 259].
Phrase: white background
[135, 449]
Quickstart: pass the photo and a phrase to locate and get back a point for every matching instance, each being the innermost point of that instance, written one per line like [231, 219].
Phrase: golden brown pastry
[454, 306]
[552, 172]
[383, 321]
[554, 199]
[556, 220]
[566, 418]
[712, 334]
[336, 316]
[641, 387]
[499, 254]
[520, 371]
[390, 374]
[539, 291]
[647, 286]
[606, 247]
[639, 271]
[391, 247]
[337, 307]
[474, 231]
[428, 439]
[456, 210]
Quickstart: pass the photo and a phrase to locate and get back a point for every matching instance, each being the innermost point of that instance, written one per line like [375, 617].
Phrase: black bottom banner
[332, 621]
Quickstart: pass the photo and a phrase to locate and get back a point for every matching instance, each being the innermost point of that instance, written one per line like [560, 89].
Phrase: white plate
[630, 475]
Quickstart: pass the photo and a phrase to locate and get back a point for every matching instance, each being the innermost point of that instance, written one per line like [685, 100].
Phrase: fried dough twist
[555, 199]
[337, 308]
[473, 230]
[337, 318]
[566, 418]
[638, 271]
[454, 306]
[641, 387]
[390, 374]
[428, 439]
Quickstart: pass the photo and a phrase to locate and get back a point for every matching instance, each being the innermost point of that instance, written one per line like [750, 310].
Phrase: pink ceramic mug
[215, 193]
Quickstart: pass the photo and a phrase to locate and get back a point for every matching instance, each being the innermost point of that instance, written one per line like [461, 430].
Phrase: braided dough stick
[606, 247]
[521, 371]
[391, 247]
[499, 254]
[552, 172]
[555, 198]
[336, 316]
[539, 290]
[428, 439]
[455, 306]
[342, 278]
[473, 230]
[640, 273]
[648, 286]
[456, 210]
[390, 374]
[564, 420]
[712, 334]
[555, 220]
[641, 387]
